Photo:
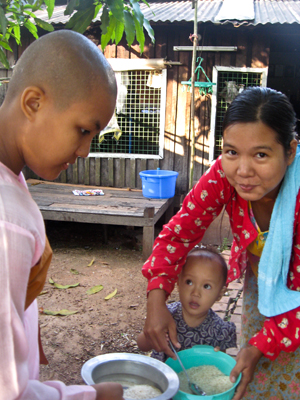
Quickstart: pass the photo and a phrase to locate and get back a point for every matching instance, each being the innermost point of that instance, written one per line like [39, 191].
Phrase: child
[62, 93]
[201, 283]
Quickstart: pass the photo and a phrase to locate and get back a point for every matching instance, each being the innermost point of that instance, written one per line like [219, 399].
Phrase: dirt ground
[99, 326]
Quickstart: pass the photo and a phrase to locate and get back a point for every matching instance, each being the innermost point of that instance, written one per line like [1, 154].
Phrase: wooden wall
[253, 51]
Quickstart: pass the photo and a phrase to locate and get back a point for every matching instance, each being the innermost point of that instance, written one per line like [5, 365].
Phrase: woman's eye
[261, 155]
[189, 282]
[231, 152]
[207, 286]
[85, 131]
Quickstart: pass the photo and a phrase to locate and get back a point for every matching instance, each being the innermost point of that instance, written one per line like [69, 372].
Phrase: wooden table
[117, 207]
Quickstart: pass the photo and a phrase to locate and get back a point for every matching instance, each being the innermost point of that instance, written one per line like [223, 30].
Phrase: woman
[255, 179]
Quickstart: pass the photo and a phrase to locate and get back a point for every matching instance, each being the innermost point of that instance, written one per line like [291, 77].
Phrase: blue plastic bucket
[158, 184]
[204, 355]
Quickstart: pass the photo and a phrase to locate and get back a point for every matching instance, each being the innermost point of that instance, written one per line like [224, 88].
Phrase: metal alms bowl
[134, 369]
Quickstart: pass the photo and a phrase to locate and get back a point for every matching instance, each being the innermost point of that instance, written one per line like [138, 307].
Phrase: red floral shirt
[186, 229]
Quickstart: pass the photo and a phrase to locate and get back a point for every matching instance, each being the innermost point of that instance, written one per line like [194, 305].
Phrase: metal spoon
[194, 388]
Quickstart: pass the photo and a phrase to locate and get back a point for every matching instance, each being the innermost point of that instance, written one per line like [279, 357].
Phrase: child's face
[56, 138]
[200, 286]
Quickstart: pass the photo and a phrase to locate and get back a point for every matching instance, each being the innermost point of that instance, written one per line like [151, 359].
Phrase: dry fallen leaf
[74, 271]
[94, 289]
[91, 263]
[58, 286]
[60, 312]
[111, 295]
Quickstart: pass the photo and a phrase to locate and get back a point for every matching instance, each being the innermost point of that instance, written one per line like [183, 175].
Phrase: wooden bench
[117, 207]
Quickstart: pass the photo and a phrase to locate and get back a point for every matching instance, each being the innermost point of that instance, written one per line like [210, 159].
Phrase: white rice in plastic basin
[208, 377]
[141, 392]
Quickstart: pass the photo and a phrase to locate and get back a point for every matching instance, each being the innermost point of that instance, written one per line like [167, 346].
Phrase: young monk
[62, 93]
[201, 283]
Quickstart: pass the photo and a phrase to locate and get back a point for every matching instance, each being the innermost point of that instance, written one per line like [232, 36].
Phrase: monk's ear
[292, 151]
[32, 100]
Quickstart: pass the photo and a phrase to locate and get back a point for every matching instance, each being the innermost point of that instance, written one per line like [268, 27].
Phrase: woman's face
[254, 161]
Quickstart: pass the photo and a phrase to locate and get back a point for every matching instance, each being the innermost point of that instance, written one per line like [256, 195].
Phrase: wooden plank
[87, 171]
[110, 172]
[119, 172]
[75, 172]
[97, 171]
[132, 179]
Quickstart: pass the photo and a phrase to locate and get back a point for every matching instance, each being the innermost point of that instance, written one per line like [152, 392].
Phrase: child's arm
[143, 343]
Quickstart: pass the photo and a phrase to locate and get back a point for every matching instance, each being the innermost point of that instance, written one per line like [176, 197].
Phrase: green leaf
[51, 281]
[129, 27]
[111, 295]
[32, 29]
[119, 31]
[36, 5]
[110, 31]
[44, 25]
[104, 21]
[59, 286]
[50, 7]
[3, 21]
[97, 9]
[70, 7]
[139, 34]
[17, 33]
[81, 20]
[60, 312]
[5, 45]
[84, 4]
[94, 289]
[137, 12]
[149, 29]
[117, 9]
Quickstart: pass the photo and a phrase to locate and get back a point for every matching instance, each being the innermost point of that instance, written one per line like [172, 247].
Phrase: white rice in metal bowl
[208, 377]
[141, 392]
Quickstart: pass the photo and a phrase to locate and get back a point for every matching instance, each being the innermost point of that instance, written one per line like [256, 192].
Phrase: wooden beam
[205, 48]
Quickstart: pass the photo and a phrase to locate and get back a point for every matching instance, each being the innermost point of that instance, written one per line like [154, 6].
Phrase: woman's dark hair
[267, 105]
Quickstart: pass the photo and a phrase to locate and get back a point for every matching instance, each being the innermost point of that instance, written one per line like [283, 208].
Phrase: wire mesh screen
[135, 127]
[230, 83]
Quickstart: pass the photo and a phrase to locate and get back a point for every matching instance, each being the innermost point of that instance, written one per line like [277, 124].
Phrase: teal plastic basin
[204, 355]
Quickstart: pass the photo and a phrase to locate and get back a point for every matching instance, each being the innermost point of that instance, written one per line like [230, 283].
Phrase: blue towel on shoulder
[274, 297]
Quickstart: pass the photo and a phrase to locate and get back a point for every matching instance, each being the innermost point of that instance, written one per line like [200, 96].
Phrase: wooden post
[148, 233]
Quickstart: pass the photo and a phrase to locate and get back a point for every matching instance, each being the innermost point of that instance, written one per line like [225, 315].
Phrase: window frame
[213, 114]
[163, 97]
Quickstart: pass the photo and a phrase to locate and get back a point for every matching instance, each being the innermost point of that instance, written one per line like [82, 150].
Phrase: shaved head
[64, 64]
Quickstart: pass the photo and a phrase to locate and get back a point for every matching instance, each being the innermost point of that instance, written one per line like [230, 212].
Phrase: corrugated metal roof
[266, 11]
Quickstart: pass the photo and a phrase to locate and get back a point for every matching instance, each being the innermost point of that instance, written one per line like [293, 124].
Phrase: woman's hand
[109, 391]
[160, 324]
[246, 361]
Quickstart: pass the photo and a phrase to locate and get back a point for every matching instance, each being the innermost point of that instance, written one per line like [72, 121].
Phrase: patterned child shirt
[213, 331]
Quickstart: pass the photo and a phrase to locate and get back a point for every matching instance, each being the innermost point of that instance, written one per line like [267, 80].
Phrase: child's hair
[212, 255]
[261, 104]
[65, 63]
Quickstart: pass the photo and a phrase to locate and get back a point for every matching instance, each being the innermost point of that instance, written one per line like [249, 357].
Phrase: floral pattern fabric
[273, 380]
[186, 229]
[213, 331]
